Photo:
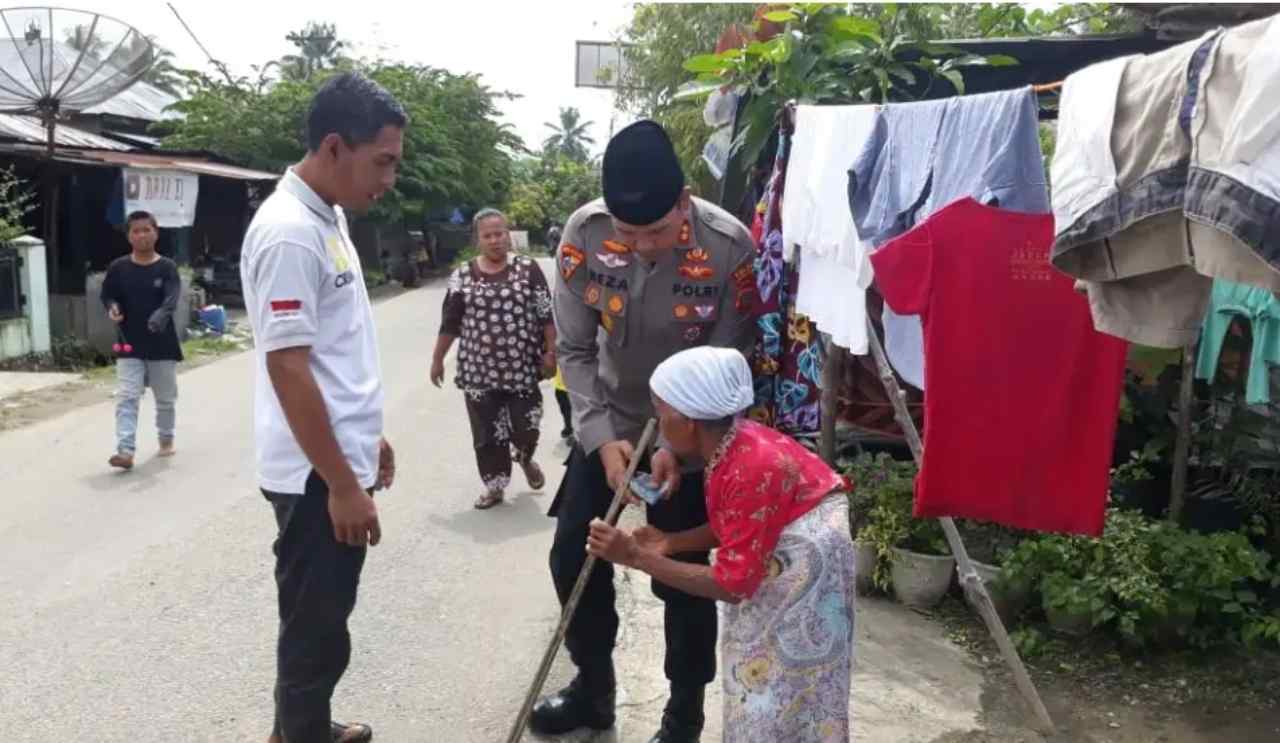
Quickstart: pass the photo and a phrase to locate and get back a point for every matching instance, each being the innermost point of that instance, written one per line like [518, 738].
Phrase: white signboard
[520, 240]
[168, 194]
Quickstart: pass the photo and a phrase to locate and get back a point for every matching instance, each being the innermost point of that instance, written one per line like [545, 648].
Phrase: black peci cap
[641, 175]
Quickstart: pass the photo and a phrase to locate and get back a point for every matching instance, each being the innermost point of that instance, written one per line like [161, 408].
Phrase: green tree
[660, 37]
[79, 38]
[456, 152]
[16, 202]
[825, 55]
[936, 21]
[318, 49]
[549, 189]
[527, 207]
[164, 74]
[569, 137]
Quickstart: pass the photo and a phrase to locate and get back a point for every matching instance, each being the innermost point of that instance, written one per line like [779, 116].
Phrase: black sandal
[351, 733]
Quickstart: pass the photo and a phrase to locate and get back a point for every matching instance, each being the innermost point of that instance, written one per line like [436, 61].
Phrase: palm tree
[79, 38]
[318, 49]
[164, 74]
[570, 137]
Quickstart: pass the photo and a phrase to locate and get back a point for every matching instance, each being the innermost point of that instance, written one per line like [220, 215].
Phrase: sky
[522, 47]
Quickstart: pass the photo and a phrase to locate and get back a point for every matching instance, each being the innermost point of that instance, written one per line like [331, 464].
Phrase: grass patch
[101, 373]
[210, 345]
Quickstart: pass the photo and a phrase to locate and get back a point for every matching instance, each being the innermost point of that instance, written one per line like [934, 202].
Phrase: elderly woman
[784, 566]
[500, 308]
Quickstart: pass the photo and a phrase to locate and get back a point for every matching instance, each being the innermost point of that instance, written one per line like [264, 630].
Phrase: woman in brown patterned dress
[499, 306]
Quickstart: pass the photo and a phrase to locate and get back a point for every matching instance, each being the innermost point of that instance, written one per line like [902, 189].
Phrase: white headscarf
[705, 383]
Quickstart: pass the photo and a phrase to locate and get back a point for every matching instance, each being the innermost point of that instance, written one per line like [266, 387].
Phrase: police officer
[642, 274]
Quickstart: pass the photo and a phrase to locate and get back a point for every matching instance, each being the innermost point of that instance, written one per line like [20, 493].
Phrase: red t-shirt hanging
[1022, 394]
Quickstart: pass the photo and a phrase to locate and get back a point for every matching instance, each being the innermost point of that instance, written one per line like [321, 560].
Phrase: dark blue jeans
[316, 580]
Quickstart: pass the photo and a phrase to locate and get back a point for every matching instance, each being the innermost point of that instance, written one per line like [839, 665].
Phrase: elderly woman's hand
[611, 543]
[652, 539]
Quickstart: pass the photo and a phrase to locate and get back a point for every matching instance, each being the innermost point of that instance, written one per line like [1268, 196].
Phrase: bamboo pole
[1182, 448]
[969, 578]
[832, 376]
[570, 606]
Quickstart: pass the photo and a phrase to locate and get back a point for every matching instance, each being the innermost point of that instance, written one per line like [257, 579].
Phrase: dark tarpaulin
[1040, 61]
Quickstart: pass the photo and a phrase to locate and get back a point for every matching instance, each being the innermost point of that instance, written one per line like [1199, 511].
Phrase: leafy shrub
[882, 504]
[1153, 583]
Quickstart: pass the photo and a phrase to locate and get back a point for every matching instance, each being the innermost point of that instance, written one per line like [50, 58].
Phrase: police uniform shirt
[618, 316]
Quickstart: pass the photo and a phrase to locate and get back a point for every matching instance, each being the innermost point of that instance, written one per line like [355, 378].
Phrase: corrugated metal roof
[30, 129]
[155, 161]
[141, 140]
[139, 101]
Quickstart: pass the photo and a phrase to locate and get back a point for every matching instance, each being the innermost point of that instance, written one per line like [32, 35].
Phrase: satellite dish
[56, 61]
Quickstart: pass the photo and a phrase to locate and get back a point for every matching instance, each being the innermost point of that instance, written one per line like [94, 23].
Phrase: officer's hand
[615, 456]
[666, 472]
[114, 313]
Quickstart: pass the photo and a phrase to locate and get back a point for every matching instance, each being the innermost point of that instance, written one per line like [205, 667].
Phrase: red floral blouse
[760, 481]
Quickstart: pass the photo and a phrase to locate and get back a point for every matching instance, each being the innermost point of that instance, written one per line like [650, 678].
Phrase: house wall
[15, 337]
[29, 333]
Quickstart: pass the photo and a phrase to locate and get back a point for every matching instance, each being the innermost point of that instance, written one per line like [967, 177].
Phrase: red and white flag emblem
[285, 307]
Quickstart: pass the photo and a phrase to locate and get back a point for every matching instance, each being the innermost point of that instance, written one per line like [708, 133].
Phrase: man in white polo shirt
[318, 398]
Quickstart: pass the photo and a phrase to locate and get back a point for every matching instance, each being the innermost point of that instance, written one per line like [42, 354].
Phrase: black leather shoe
[683, 719]
[675, 732]
[578, 705]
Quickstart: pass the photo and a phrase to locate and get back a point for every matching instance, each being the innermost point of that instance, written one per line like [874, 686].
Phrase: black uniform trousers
[316, 581]
[690, 621]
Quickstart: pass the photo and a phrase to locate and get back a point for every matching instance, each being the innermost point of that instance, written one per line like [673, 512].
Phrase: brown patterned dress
[500, 321]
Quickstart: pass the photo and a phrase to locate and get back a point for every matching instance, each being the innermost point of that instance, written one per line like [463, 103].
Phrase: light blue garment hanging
[921, 157]
[1260, 308]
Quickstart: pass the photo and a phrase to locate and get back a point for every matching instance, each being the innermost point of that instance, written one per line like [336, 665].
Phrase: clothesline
[897, 399]
[789, 109]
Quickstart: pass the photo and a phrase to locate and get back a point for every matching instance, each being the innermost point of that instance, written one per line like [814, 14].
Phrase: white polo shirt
[303, 286]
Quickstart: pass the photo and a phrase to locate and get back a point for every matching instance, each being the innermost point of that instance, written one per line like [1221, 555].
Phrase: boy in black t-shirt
[140, 293]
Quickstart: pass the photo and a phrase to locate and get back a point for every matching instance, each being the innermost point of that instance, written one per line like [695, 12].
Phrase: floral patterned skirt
[787, 652]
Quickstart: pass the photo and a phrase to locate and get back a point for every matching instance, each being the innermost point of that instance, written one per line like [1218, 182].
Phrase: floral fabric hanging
[787, 362]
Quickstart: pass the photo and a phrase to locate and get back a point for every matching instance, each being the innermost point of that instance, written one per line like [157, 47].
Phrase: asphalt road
[140, 607]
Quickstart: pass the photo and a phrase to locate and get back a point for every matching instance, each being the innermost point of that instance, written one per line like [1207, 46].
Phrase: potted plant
[862, 499]
[910, 555]
[866, 561]
[1070, 603]
[921, 564]
[988, 546]
[879, 505]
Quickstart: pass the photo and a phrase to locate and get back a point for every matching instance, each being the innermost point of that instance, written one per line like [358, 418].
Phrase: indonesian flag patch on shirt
[285, 307]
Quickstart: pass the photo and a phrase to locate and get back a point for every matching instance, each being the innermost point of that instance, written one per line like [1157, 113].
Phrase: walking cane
[566, 615]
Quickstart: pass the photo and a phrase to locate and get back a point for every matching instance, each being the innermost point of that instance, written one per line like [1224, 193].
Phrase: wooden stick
[566, 615]
[1182, 447]
[1047, 87]
[969, 577]
[832, 378]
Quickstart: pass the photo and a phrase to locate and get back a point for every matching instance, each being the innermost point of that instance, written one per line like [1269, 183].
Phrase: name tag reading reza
[607, 281]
